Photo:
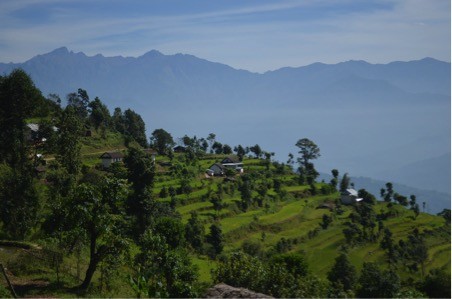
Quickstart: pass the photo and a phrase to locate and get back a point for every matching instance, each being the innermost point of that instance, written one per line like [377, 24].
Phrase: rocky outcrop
[222, 290]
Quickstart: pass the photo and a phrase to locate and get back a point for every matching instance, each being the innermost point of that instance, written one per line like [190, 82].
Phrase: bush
[253, 248]
[4, 292]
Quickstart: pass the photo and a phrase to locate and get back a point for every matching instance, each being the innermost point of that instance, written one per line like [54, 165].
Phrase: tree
[79, 101]
[217, 147]
[387, 243]
[163, 272]
[99, 116]
[171, 229]
[240, 151]
[194, 232]
[256, 150]
[217, 203]
[334, 180]
[135, 127]
[117, 121]
[215, 238]
[211, 139]
[389, 192]
[19, 202]
[246, 192]
[162, 141]
[295, 263]
[96, 211]
[415, 250]
[437, 284]
[344, 183]
[140, 173]
[308, 151]
[68, 141]
[227, 150]
[18, 100]
[290, 161]
[401, 199]
[343, 273]
[241, 270]
[412, 201]
[375, 283]
[416, 210]
[366, 196]
[445, 213]
[326, 220]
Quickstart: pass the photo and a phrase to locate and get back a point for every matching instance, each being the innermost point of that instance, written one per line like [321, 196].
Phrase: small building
[216, 169]
[111, 157]
[350, 196]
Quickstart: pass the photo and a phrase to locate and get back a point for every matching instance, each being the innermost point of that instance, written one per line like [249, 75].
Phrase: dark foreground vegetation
[154, 224]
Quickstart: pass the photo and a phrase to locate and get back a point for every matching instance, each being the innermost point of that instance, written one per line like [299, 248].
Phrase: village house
[111, 157]
[350, 196]
[233, 162]
[230, 162]
[216, 169]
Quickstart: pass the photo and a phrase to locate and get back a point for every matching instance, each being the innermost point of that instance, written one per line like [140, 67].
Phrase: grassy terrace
[292, 217]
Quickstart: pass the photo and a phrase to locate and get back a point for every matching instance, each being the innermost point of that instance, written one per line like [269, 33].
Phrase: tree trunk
[89, 273]
[93, 261]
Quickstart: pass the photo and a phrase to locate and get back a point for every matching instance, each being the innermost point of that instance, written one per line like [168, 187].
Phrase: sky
[256, 35]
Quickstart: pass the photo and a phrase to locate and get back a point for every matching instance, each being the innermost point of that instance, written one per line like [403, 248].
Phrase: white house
[350, 196]
[111, 157]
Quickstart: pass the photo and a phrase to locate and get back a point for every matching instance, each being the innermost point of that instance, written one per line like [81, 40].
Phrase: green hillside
[91, 208]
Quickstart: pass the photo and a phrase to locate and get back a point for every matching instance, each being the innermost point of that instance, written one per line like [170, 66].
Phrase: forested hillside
[90, 206]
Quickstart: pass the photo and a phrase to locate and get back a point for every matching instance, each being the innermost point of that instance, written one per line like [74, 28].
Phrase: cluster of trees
[288, 276]
[81, 208]
[163, 142]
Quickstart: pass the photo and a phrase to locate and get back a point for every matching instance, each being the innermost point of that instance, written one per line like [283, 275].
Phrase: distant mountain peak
[151, 54]
[59, 51]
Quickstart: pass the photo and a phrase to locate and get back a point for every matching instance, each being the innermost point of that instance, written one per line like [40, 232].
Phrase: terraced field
[297, 218]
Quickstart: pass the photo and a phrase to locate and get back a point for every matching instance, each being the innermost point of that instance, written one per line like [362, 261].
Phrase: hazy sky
[256, 35]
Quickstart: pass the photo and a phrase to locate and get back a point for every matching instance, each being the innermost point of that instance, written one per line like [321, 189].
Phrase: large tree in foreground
[96, 212]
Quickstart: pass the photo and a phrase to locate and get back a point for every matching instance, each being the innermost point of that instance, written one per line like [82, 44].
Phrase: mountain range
[385, 121]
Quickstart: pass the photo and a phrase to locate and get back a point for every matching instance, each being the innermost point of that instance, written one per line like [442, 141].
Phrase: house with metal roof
[216, 169]
[350, 196]
[111, 157]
